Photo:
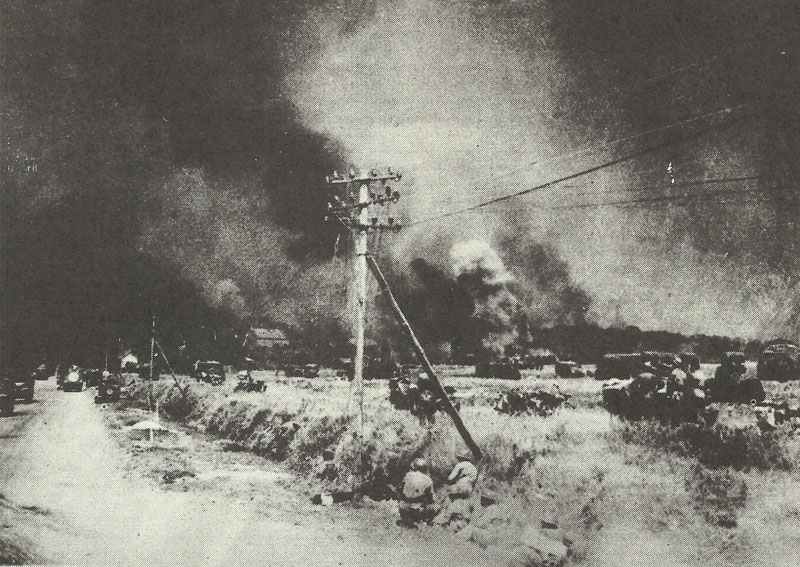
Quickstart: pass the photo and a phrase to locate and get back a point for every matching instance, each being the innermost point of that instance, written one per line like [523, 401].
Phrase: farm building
[266, 345]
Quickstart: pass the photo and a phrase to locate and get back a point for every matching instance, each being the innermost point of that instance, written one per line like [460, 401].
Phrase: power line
[659, 199]
[581, 173]
[592, 149]
[695, 183]
[626, 203]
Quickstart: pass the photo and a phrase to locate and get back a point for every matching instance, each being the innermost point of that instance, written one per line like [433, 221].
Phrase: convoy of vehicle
[779, 360]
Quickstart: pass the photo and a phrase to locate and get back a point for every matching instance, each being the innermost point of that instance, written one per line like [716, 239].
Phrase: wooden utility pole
[360, 281]
[353, 213]
[152, 347]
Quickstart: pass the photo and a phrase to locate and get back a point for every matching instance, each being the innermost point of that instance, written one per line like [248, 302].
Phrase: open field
[625, 494]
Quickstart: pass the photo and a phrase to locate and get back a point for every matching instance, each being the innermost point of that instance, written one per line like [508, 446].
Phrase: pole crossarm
[352, 177]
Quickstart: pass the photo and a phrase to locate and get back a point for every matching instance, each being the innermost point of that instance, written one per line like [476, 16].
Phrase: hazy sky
[169, 154]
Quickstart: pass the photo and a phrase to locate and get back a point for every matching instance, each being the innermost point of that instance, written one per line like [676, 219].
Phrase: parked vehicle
[569, 369]
[6, 396]
[209, 371]
[619, 365]
[248, 384]
[24, 385]
[108, 388]
[91, 376]
[729, 383]
[504, 369]
[309, 370]
[40, 372]
[73, 382]
[780, 360]
[689, 361]
[61, 373]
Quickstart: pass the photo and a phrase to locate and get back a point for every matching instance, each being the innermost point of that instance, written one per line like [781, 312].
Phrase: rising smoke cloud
[180, 149]
[476, 101]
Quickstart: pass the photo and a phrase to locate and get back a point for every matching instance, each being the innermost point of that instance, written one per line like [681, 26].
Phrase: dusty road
[70, 496]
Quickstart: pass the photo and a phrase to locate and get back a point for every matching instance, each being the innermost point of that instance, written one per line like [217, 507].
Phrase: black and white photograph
[402, 283]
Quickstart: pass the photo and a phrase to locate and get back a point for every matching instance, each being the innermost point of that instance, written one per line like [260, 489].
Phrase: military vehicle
[729, 383]
[780, 360]
[569, 369]
[108, 388]
[676, 395]
[73, 381]
[689, 361]
[6, 396]
[309, 370]
[619, 366]
[505, 369]
[246, 383]
[648, 396]
[541, 401]
[209, 371]
[40, 372]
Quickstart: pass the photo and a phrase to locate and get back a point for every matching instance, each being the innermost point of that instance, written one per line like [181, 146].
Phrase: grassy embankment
[640, 494]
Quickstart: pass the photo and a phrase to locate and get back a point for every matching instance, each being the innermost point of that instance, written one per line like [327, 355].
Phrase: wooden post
[181, 389]
[423, 358]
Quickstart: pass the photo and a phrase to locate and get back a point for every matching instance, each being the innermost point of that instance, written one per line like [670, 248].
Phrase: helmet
[464, 456]
[418, 464]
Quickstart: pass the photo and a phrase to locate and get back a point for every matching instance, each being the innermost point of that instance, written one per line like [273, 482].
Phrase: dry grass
[618, 493]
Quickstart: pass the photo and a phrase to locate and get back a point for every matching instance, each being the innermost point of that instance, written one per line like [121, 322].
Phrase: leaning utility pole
[354, 214]
[423, 359]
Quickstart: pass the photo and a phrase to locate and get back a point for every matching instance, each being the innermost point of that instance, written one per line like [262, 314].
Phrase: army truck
[780, 360]
[730, 383]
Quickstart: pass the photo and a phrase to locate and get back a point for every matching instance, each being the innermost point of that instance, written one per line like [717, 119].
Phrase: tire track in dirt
[67, 463]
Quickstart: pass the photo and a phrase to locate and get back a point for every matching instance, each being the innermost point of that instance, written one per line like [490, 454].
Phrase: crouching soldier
[417, 503]
[462, 478]
[460, 485]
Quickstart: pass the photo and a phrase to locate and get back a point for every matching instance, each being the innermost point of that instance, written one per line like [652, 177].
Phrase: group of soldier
[418, 503]
[414, 391]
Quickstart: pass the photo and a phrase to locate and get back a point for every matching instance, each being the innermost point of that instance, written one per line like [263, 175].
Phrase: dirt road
[70, 496]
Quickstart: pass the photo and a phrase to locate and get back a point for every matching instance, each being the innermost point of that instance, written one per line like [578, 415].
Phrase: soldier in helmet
[460, 485]
[462, 478]
[417, 503]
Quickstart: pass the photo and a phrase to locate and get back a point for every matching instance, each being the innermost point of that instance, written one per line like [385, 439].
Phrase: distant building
[266, 345]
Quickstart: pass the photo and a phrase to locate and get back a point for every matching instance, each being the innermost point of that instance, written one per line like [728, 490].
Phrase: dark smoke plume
[155, 166]
[167, 157]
